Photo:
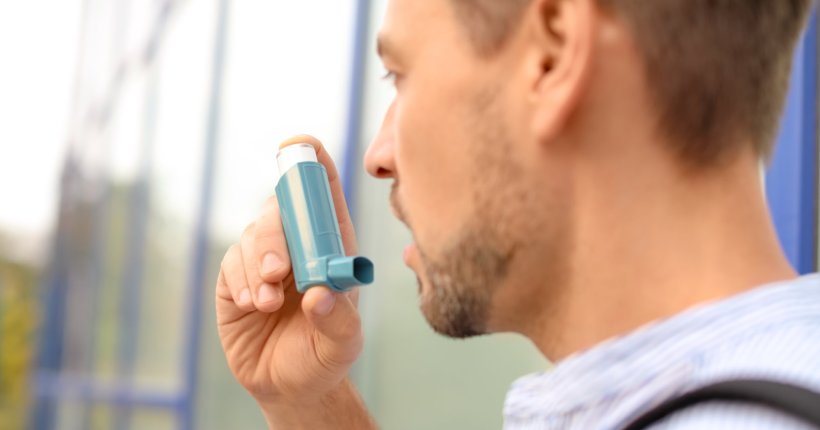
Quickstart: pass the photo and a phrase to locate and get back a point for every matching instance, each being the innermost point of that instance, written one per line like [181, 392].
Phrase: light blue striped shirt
[771, 332]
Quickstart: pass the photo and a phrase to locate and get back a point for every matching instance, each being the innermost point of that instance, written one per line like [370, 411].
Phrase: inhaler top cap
[292, 155]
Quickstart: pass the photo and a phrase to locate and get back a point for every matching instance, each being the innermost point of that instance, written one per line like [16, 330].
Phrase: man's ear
[562, 44]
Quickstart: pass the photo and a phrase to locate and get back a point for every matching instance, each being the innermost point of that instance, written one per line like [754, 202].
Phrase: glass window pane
[183, 73]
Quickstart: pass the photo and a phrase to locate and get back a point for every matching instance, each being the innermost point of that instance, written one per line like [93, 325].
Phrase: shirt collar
[654, 350]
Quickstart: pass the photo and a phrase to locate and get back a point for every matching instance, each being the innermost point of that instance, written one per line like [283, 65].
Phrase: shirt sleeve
[719, 415]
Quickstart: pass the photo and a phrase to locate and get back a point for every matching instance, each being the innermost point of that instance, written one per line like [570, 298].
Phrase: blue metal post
[791, 183]
[51, 332]
[350, 157]
[199, 264]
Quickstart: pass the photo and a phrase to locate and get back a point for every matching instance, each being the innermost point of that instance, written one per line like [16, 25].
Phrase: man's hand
[292, 352]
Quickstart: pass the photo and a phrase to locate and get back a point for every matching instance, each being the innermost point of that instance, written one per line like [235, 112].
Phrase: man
[583, 172]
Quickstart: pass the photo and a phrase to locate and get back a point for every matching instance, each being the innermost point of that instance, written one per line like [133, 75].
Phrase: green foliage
[18, 319]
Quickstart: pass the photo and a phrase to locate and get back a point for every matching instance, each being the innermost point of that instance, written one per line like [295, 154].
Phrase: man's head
[717, 70]
[515, 119]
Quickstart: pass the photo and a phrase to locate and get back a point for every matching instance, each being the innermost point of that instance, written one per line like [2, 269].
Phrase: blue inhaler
[311, 226]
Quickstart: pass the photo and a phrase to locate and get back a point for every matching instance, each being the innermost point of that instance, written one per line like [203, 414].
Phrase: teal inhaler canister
[311, 226]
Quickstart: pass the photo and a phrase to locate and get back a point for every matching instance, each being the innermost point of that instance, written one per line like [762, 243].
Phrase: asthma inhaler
[311, 226]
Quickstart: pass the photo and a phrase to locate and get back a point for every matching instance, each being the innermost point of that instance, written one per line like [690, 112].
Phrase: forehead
[404, 12]
[412, 23]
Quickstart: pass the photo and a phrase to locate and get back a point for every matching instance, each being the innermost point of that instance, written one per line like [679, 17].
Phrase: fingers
[270, 248]
[232, 283]
[239, 280]
[339, 202]
[267, 296]
[253, 271]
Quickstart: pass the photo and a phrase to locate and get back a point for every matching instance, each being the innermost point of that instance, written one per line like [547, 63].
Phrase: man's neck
[652, 244]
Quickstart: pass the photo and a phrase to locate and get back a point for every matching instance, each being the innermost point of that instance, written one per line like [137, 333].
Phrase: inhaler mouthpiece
[311, 226]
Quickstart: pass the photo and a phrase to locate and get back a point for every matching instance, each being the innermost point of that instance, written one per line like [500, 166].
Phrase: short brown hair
[718, 69]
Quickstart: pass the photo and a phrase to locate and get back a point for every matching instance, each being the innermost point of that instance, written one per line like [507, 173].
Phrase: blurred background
[138, 140]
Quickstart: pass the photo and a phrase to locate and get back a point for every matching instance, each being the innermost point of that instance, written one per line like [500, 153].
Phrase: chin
[450, 313]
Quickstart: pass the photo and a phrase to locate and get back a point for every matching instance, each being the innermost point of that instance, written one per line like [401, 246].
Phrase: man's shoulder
[772, 333]
[782, 346]
[781, 343]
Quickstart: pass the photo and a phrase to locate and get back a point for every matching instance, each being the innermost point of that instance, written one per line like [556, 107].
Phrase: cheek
[432, 167]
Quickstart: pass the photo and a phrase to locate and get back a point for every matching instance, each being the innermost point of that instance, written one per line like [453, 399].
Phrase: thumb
[336, 321]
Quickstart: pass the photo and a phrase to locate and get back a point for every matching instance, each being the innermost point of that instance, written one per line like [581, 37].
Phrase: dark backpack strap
[793, 400]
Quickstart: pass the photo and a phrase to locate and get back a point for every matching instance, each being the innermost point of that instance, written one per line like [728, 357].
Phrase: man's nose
[379, 160]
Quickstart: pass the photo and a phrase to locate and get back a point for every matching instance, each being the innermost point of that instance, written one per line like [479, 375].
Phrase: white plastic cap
[292, 155]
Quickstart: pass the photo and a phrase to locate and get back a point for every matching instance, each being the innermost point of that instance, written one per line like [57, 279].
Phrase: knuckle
[270, 234]
[250, 230]
[271, 203]
[220, 279]
[230, 258]
[334, 359]
[351, 328]
[271, 239]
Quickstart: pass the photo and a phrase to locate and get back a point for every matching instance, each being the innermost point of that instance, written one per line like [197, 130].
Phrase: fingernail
[325, 304]
[267, 293]
[270, 263]
[244, 297]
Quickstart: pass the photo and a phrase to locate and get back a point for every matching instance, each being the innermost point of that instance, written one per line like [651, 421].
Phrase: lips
[410, 255]
[410, 251]
[407, 251]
